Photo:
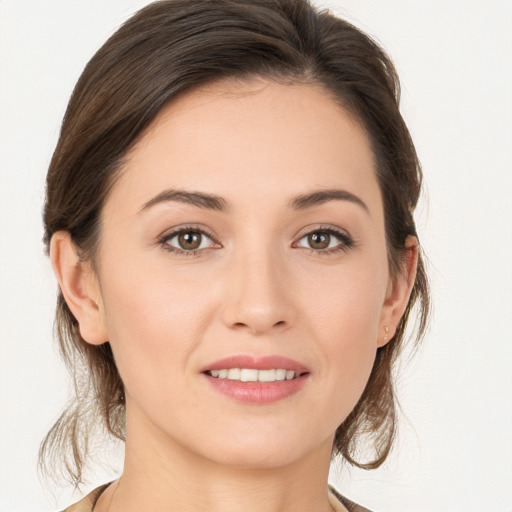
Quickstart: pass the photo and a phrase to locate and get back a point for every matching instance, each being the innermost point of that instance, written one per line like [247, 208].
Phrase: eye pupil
[319, 240]
[189, 240]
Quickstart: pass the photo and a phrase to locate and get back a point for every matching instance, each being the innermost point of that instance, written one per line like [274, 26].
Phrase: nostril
[258, 327]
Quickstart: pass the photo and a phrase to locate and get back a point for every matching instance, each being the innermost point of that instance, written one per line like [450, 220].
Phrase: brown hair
[170, 47]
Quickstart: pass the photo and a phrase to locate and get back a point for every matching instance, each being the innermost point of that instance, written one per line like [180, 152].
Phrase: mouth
[257, 379]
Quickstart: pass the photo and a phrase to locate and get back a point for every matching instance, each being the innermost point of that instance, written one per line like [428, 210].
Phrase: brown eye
[319, 240]
[187, 240]
[325, 241]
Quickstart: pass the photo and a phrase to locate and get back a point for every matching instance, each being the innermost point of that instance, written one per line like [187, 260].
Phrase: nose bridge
[257, 298]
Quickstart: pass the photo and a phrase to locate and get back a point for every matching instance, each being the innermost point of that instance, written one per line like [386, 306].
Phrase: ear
[80, 288]
[398, 292]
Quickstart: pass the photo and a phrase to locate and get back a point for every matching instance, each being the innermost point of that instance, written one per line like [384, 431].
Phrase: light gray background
[455, 61]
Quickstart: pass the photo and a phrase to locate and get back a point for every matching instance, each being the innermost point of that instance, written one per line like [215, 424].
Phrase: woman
[229, 216]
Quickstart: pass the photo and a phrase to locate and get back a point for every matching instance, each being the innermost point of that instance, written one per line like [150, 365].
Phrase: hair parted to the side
[173, 46]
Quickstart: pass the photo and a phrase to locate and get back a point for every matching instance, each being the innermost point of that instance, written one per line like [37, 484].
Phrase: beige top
[87, 504]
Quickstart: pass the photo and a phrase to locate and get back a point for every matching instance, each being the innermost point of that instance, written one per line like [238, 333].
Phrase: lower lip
[258, 392]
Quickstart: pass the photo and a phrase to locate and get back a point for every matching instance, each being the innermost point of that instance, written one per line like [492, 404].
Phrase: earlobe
[79, 287]
[398, 293]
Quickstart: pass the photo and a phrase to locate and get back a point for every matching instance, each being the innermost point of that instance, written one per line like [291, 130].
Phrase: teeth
[280, 374]
[234, 374]
[247, 375]
[267, 375]
[252, 375]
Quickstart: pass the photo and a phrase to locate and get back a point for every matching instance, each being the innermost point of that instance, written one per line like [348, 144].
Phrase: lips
[257, 380]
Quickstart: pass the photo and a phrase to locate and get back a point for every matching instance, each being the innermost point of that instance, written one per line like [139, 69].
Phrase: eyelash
[164, 241]
[346, 241]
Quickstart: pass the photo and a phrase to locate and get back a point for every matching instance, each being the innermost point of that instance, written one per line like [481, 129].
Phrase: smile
[254, 375]
[257, 380]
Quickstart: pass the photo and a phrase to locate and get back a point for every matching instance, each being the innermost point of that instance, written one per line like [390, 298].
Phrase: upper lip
[257, 363]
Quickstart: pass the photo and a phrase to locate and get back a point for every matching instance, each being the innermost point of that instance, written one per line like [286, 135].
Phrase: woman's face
[246, 231]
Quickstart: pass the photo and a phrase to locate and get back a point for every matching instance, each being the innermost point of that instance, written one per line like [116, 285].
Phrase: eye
[188, 240]
[325, 240]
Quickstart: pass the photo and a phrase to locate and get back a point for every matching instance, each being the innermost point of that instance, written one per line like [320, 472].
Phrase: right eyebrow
[199, 199]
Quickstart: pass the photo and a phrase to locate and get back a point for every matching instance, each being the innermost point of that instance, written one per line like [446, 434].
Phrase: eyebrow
[199, 199]
[320, 197]
[217, 203]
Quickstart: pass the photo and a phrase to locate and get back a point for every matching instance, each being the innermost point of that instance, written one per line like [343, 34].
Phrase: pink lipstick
[257, 380]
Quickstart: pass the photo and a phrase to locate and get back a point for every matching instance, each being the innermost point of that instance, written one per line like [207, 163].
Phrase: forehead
[260, 138]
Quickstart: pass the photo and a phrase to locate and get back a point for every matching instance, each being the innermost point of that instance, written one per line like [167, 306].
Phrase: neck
[161, 475]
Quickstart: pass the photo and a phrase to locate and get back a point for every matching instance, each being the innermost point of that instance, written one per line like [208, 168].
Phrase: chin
[271, 450]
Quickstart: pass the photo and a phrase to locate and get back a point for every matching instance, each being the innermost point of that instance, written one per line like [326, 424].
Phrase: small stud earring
[386, 336]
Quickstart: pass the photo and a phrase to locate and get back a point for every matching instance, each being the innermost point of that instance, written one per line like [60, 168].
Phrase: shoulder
[87, 503]
[349, 505]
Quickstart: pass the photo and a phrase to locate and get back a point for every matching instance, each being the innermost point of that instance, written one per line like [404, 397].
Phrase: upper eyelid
[172, 232]
[341, 236]
[321, 227]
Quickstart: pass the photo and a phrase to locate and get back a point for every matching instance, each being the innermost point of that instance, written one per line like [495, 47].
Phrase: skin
[255, 287]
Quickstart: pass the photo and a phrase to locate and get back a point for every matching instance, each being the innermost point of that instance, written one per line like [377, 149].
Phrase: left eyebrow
[320, 197]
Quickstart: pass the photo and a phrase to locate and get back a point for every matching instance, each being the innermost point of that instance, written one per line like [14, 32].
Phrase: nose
[257, 298]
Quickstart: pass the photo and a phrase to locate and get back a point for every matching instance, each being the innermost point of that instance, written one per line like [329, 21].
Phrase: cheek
[153, 324]
[344, 308]
[346, 301]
